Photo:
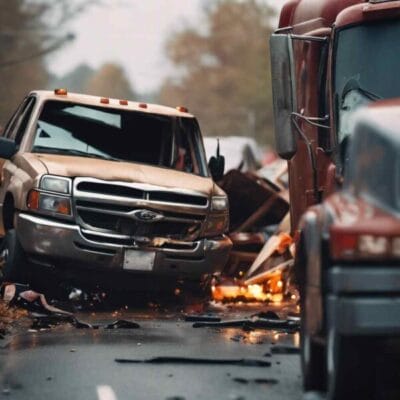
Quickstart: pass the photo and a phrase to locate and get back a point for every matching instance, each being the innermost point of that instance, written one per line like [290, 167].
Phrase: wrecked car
[90, 183]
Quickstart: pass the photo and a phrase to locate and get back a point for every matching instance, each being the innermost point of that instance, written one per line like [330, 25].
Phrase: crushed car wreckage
[261, 260]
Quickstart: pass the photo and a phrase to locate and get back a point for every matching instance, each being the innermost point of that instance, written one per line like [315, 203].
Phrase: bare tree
[29, 30]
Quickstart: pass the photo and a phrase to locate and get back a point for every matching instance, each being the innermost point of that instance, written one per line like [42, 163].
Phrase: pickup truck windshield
[120, 135]
[367, 68]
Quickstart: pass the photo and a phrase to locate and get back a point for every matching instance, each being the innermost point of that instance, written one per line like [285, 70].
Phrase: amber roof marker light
[182, 109]
[61, 91]
[105, 100]
[142, 105]
[123, 102]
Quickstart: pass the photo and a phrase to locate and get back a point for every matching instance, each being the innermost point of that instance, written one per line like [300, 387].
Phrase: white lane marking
[105, 392]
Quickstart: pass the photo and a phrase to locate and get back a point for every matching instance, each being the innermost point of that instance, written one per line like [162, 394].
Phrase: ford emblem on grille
[147, 216]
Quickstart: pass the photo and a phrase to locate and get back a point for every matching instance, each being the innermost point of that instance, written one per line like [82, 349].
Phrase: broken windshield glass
[120, 135]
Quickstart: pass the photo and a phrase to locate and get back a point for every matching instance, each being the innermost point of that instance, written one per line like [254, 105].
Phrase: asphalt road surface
[64, 362]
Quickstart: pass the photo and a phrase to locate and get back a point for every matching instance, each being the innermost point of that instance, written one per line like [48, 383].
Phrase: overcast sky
[131, 33]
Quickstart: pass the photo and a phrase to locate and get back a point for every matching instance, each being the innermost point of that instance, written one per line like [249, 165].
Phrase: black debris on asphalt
[253, 323]
[266, 381]
[285, 350]
[122, 324]
[202, 318]
[237, 338]
[243, 362]
[267, 315]
[258, 381]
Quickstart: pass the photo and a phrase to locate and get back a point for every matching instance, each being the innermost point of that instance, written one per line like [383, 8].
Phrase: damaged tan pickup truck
[92, 184]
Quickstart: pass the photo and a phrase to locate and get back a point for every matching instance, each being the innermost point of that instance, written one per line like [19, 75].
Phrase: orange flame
[270, 291]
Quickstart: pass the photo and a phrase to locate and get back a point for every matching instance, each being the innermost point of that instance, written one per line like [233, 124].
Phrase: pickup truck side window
[9, 128]
[20, 128]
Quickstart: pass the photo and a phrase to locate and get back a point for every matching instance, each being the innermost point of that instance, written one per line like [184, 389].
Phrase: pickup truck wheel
[350, 367]
[15, 267]
[199, 290]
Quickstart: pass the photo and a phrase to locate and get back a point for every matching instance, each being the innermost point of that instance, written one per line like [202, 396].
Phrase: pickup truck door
[14, 130]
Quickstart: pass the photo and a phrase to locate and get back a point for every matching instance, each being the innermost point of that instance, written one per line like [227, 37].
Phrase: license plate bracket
[138, 260]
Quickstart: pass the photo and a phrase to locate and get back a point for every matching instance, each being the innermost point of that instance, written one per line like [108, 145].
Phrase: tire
[313, 355]
[15, 266]
[313, 361]
[350, 368]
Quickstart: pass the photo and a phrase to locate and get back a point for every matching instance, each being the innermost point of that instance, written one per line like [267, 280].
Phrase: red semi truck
[332, 60]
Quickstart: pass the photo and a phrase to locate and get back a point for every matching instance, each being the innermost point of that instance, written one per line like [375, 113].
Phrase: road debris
[237, 338]
[202, 318]
[253, 323]
[20, 295]
[176, 398]
[259, 381]
[122, 324]
[267, 315]
[49, 321]
[253, 201]
[285, 350]
[243, 362]
[261, 262]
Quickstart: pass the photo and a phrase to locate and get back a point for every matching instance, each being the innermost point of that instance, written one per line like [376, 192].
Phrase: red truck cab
[329, 57]
[332, 60]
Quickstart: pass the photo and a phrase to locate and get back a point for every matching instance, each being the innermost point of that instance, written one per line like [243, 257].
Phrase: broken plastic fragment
[122, 324]
[21, 295]
[201, 318]
[244, 362]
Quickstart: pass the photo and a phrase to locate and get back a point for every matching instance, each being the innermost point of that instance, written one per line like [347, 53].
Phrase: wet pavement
[64, 362]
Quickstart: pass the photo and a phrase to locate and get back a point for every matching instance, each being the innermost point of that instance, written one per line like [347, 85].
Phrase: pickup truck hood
[123, 171]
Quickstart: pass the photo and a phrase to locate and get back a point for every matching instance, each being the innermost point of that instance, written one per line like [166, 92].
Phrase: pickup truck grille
[128, 226]
[118, 209]
[136, 193]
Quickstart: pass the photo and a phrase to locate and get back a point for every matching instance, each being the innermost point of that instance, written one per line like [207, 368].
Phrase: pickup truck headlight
[218, 221]
[55, 184]
[219, 203]
[48, 203]
[56, 204]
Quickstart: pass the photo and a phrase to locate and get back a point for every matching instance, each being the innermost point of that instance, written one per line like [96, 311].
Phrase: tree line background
[221, 68]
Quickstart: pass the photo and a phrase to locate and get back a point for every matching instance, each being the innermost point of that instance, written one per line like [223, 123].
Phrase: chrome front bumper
[364, 300]
[64, 245]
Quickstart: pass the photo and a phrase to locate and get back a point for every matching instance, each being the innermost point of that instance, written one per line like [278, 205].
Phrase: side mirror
[217, 165]
[283, 90]
[7, 148]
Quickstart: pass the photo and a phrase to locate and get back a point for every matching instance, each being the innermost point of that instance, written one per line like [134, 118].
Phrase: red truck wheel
[312, 358]
[350, 367]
